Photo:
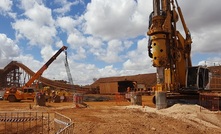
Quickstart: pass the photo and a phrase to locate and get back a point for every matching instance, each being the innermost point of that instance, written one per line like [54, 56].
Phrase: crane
[14, 94]
[68, 70]
[171, 53]
[44, 67]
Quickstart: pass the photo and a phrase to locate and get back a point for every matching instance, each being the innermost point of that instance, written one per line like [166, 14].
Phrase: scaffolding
[13, 78]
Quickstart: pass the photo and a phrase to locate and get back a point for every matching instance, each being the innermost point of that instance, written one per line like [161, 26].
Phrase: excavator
[170, 52]
[15, 94]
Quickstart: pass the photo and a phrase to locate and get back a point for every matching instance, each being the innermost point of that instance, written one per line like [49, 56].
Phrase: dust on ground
[110, 117]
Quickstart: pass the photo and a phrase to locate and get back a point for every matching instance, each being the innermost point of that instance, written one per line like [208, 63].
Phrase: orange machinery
[14, 94]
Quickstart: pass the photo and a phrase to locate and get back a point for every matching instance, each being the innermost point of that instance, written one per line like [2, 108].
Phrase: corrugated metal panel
[108, 88]
[215, 83]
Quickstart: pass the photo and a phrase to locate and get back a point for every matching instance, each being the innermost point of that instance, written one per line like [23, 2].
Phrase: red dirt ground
[122, 117]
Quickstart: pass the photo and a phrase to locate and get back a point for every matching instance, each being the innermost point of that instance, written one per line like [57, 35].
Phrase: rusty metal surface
[210, 101]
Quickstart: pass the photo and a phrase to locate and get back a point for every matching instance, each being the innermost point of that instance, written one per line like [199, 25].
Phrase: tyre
[12, 98]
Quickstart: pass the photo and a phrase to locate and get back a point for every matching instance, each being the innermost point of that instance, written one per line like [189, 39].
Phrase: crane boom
[68, 69]
[44, 67]
[27, 92]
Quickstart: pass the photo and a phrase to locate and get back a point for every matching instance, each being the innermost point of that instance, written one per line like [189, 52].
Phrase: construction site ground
[111, 117]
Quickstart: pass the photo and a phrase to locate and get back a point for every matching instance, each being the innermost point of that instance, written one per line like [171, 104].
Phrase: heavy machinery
[68, 71]
[27, 92]
[170, 53]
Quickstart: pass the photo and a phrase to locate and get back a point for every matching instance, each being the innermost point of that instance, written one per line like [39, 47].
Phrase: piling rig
[170, 53]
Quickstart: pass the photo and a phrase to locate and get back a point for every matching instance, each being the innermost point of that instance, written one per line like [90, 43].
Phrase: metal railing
[34, 123]
[63, 124]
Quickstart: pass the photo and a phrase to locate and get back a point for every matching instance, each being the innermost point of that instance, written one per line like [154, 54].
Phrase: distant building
[111, 85]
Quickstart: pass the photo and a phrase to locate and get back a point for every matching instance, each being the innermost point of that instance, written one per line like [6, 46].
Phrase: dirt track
[109, 118]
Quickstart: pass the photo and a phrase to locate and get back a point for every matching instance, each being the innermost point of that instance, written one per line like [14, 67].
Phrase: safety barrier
[35, 122]
[63, 124]
[78, 99]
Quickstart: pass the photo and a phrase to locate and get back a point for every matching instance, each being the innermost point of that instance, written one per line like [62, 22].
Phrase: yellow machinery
[170, 53]
[27, 92]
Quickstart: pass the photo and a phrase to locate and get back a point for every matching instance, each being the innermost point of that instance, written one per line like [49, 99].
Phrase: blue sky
[104, 37]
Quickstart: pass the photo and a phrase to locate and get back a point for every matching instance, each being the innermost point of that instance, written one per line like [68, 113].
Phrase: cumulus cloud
[111, 54]
[40, 15]
[37, 26]
[29, 61]
[76, 40]
[207, 42]
[95, 46]
[67, 24]
[66, 5]
[39, 35]
[28, 4]
[5, 6]
[106, 39]
[8, 50]
[211, 61]
[201, 14]
[138, 60]
[108, 71]
[203, 19]
[116, 19]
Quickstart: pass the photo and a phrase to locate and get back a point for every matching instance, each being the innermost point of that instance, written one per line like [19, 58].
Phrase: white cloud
[67, 24]
[108, 71]
[8, 50]
[138, 60]
[38, 28]
[80, 54]
[37, 35]
[76, 40]
[95, 46]
[94, 42]
[211, 61]
[5, 5]
[116, 19]
[207, 42]
[65, 6]
[40, 14]
[28, 4]
[29, 61]
[111, 54]
[47, 52]
[203, 20]
[8, 47]
[105, 33]
[6, 8]
[201, 14]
